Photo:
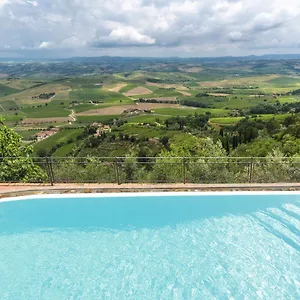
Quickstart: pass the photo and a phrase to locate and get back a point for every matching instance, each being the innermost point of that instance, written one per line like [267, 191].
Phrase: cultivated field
[223, 93]
[118, 110]
[138, 91]
[118, 87]
[36, 121]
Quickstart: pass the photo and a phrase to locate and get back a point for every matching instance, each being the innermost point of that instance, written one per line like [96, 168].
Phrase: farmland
[145, 98]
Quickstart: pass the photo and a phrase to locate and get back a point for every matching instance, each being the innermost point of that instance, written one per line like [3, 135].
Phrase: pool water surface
[151, 246]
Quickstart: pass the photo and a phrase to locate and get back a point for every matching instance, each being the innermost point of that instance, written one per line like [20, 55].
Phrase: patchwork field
[118, 110]
[118, 87]
[221, 93]
[138, 91]
[40, 121]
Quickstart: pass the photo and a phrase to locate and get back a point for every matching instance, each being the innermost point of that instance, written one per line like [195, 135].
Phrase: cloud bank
[148, 27]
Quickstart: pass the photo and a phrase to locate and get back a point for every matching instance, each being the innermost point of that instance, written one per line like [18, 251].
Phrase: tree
[167, 123]
[273, 126]
[164, 140]
[15, 163]
[42, 152]
[169, 167]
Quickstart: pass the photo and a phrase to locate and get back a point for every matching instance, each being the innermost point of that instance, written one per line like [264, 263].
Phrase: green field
[226, 121]
[225, 90]
[285, 81]
[127, 88]
[83, 107]
[158, 132]
[50, 111]
[60, 137]
[64, 150]
[6, 90]
[12, 117]
[234, 120]
[27, 133]
[100, 95]
[279, 117]
[8, 105]
[91, 119]
[146, 118]
[189, 111]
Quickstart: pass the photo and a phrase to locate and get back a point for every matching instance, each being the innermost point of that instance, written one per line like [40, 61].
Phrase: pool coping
[15, 190]
[146, 194]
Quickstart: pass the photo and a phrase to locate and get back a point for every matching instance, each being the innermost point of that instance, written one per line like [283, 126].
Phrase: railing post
[117, 171]
[184, 169]
[49, 171]
[251, 170]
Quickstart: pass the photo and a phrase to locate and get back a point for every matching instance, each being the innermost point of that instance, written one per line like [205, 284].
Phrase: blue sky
[63, 28]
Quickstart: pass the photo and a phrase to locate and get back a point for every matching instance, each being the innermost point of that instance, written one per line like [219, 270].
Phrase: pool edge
[142, 194]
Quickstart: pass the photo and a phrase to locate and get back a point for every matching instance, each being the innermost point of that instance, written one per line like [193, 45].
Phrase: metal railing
[121, 170]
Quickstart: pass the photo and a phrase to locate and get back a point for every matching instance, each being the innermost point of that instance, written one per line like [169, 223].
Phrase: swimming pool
[151, 246]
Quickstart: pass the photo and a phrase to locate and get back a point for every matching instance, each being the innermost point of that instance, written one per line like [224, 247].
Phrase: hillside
[146, 102]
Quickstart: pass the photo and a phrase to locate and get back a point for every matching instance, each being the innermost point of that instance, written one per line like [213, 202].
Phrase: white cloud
[46, 45]
[130, 35]
[2, 2]
[34, 3]
[139, 27]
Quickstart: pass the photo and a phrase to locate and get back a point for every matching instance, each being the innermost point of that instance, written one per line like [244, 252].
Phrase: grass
[91, 119]
[288, 99]
[285, 81]
[127, 88]
[28, 96]
[160, 93]
[234, 120]
[11, 117]
[226, 121]
[49, 111]
[8, 105]
[189, 111]
[147, 132]
[83, 107]
[20, 84]
[267, 117]
[107, 97]
[146, 118]
[6, 90]
[64, 150]
[27, 133]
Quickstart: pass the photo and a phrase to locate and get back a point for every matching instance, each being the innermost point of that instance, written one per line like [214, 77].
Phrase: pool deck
[10, 190]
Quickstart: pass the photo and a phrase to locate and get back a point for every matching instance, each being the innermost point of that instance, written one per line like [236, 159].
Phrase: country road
[72, 115]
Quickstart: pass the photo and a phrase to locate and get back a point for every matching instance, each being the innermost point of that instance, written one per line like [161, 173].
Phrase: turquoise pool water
[181, 246]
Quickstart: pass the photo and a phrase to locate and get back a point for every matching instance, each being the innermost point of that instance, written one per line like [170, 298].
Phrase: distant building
[106, 128]
[45, 134]
[102, 129]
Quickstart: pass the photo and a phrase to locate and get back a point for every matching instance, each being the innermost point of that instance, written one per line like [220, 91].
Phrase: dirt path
[118, 87]
[72, 115]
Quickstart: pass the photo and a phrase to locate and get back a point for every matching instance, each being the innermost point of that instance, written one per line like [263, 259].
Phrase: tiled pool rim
[14, 190]
[145, 194]
[7, 188]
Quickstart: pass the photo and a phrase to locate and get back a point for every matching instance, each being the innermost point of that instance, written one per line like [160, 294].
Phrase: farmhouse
[134, 111]
[101, 129]
[44, 134]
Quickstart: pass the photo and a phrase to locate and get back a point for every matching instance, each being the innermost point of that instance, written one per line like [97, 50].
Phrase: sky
[164, 28]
